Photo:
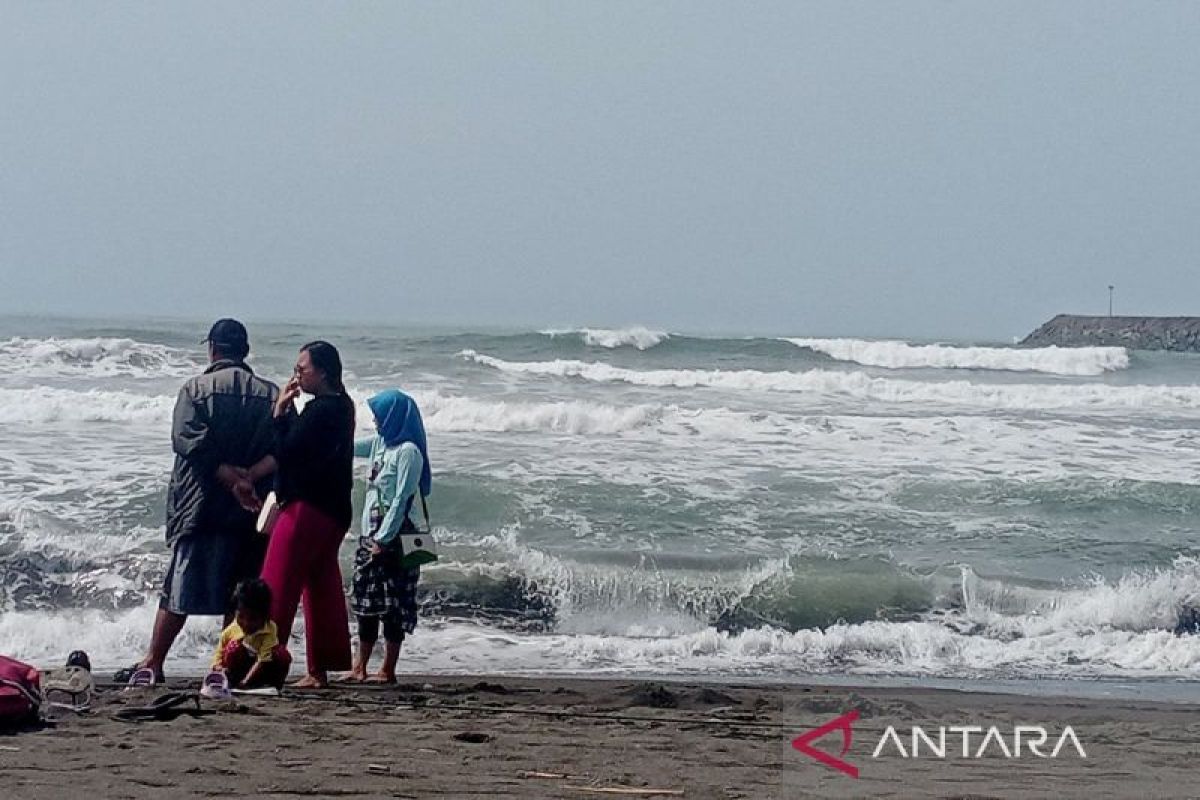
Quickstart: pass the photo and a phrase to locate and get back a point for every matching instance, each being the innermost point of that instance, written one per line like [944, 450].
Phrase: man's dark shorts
[205, 568]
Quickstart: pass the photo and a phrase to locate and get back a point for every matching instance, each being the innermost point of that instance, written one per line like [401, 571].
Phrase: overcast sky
[880, 169]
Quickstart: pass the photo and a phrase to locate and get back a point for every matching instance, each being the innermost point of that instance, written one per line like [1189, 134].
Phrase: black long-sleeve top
[315, 451]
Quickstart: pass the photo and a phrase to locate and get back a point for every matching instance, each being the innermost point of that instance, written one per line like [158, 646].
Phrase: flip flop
[164, 708]
[126, 674]
[141, 679]
[215, 686]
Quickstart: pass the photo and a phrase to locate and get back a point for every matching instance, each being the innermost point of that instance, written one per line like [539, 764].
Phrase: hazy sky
[946, 169]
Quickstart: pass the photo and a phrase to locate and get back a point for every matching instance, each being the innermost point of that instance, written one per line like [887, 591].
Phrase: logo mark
[804, 741]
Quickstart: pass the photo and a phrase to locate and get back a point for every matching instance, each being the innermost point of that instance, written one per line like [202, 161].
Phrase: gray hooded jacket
[221, 417]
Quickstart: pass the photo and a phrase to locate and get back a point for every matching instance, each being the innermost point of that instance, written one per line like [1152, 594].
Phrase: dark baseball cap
[229, 335]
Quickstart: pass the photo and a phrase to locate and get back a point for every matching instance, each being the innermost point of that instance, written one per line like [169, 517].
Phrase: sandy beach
[554, 738]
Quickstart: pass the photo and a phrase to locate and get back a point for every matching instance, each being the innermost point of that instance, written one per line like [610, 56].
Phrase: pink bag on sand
[20, 691]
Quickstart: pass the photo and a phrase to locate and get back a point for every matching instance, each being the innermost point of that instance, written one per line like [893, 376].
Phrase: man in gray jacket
[223, 441]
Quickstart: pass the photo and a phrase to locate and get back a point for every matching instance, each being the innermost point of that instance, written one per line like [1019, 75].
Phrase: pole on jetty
[1110, 291]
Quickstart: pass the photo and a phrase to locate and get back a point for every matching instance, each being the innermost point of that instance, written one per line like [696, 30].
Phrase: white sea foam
[635, 336]
[596, 598]
[96, 356]
[1110, 629]
[1119, 628]
[41, 527]
[111, 638]
[1079, 361]
[1141, 600]
[952, 446]
[863, 387]
[48, 404]
[465, 414]
[460, 414]
[890, 648]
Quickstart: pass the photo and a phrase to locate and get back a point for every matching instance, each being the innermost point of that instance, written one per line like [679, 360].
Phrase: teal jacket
[396, 473]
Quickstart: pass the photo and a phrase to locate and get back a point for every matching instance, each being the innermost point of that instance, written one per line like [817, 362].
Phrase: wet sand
[558, 738]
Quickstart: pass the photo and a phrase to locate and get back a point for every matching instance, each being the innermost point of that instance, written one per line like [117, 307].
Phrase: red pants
[236, 660]
[302, 563]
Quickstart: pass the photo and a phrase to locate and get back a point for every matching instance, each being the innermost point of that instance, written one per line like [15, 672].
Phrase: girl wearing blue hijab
[384, 589]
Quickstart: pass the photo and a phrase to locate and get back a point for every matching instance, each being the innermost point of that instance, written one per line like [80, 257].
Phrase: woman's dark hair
[325, 357]
[253, 595]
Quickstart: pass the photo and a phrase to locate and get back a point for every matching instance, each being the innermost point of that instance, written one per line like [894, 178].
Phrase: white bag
[418, 547]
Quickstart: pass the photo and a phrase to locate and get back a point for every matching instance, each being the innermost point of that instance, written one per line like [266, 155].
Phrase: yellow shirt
[260, 643]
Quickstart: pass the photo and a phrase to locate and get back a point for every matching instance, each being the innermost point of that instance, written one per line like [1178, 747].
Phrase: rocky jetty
[1137, 333]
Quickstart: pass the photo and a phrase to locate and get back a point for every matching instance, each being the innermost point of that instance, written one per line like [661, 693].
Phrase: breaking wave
[96, 356]
[794, 616]
[1078, 361]
[865, 387]
[636, 336]
[47, 404]
[462, 414]
[784, 616]
[458, 414]
[578, 417]
[803, 592]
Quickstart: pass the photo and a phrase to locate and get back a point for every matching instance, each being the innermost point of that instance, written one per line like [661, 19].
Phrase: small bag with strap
[417, 547]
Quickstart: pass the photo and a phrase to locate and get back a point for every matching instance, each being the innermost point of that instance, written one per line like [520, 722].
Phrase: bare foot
[311, 682]
[356, 675]
[382, 677]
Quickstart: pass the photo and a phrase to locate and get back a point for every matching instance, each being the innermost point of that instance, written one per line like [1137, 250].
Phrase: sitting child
[250, 654]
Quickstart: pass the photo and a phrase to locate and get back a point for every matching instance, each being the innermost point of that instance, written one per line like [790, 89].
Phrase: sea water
[638, 501]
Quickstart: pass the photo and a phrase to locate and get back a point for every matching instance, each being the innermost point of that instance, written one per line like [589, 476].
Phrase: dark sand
[558, 738]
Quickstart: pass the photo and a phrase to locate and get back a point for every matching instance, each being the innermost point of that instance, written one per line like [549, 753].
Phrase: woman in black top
[315, 454]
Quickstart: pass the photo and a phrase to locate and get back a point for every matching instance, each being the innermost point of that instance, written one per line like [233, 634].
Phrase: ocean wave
[645, 617]
[1078, 361]
[110, 637]
[864, 387]
[95, 356]
[635, 336]
[862, 616]
[443, 413]
[916, 648]
[1139, 600]
[681, 594]
[69, 535]
[798, 592]
[48, 404]
[459, 414]
[919, 648]
[465, 414]
[578, 596]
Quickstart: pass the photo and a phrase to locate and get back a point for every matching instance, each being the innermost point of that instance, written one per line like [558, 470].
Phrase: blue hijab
[399, 421]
